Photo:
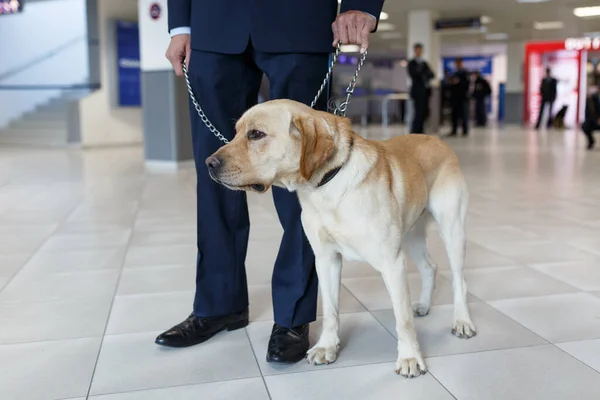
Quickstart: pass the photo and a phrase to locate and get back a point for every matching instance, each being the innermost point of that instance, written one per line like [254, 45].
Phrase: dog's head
[280, 142]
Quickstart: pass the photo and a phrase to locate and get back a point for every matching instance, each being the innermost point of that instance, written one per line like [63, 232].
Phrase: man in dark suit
[460, 98]
[592, 117]
[420, 75]
[481, 91]
[548, 90]
[229, 45]
[445, 97]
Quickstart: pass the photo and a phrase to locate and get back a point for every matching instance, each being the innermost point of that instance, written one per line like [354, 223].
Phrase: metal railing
[384, 107]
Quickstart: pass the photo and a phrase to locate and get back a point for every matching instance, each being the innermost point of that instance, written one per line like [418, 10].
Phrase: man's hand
[179, 50]
[353, 27]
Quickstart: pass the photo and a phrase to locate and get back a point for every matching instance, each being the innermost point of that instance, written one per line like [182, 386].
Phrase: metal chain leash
[337, 110]
[200, 111]
[341, 109]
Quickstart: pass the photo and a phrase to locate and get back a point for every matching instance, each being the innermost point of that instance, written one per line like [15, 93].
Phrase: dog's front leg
[410, 362]
[329, 270]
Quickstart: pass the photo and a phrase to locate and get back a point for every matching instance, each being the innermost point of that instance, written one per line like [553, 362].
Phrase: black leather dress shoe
[287, 345]
[195, 330]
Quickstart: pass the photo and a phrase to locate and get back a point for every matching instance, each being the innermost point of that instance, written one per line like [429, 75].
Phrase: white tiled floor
[97, 257]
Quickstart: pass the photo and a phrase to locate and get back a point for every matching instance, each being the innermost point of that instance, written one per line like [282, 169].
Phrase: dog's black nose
[213, 163]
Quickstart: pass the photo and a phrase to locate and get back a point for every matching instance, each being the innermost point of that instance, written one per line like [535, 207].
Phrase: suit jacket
[482, 89]
[420, 75]
[548, 89]
[460, 86]
[273, 26]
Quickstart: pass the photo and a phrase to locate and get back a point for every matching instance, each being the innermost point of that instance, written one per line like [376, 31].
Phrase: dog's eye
[255, 135]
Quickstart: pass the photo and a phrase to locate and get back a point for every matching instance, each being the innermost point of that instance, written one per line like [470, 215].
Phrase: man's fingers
[177, 67]
[353, 33]
[343, 32]
[352, 29]
[176, 60]
[364, 38]
[336, 35]
[188, 54]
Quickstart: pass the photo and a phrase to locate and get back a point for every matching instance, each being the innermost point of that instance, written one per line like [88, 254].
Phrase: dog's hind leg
[410, 362]
[448, 204]
[415, 244]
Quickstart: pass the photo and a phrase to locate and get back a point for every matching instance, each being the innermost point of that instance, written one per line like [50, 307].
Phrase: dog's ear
[317, 144]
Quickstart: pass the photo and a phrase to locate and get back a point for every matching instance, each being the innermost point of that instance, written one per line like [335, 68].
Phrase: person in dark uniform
[446, 93]
[420, 75]
[592, 118]
[481, 91]
[548, 90]
[460, 98]
[228, 46]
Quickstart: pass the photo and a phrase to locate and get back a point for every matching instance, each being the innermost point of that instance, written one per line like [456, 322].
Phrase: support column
[515, 93]
[165, 112]
[421, 30]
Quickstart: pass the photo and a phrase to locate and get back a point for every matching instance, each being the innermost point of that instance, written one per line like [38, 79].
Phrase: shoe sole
[229, 328]
[273, 361]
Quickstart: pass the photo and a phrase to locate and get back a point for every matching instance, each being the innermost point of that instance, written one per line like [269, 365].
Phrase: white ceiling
[507, 16]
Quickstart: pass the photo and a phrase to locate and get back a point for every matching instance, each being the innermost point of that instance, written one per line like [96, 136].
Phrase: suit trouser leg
[225, 86]
[419, 106]
[455, 115]
[541, 114]
[465, 116]
[294, 282]
[550, 116]
[588, 128]
[480, 113]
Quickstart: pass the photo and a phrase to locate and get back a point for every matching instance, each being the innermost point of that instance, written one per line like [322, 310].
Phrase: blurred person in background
[481, 91]
[459, 98]
[548, 91]
[592, 116]
[446, 94]
[420, 75]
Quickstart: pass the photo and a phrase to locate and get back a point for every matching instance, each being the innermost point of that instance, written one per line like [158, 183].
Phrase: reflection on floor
[97, 254]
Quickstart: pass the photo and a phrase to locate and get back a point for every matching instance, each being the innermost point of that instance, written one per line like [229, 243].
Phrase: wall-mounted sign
[155, 11]
[11, 6]
[483, 64]
[585, 43]
[458, 23]
[128, 64]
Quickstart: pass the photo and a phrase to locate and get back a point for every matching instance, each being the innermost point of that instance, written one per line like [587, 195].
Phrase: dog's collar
[332, 173]
[329, 176]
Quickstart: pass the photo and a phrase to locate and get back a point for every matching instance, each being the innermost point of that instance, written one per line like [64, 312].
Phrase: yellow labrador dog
[363, 200]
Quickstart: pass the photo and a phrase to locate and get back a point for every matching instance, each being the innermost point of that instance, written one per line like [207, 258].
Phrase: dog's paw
[410, 367]
[322, 355]
[420, 309]
[464, 329]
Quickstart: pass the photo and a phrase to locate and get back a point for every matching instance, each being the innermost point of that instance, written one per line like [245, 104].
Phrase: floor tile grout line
[112, 302]
[521, 263]
[547, 342]
[58, 226]
[509, 317]
[388, 331]
[258, 364]
[169, 387]
[575, 358]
